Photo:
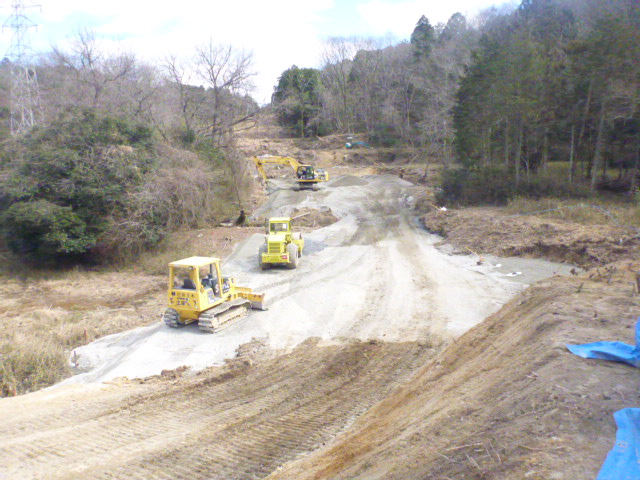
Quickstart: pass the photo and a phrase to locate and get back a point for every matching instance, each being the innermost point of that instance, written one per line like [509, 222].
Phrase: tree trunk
[597, 154]
[545, 150]
[518, 153]
[572, 165]
[634, 172]
[584, 124]
[506, 144]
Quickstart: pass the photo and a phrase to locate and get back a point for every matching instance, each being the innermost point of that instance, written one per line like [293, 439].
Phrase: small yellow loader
[198, 292]
[281, 246]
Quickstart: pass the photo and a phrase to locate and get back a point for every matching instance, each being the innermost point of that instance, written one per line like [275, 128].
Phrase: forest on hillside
[537, 100]
[548, 90]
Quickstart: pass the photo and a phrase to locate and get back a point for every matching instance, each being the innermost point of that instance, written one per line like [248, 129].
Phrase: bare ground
[506, 400]
[494, 231]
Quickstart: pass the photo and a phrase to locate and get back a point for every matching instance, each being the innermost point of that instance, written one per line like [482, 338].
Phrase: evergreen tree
[297, 99]
[423, 38]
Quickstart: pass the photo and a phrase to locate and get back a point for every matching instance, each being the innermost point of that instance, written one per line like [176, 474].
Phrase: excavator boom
[306, 174]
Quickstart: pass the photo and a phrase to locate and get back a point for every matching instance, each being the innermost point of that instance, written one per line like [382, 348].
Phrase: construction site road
[372, 301]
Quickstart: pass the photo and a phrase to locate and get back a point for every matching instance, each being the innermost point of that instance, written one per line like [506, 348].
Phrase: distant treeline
[503, 95]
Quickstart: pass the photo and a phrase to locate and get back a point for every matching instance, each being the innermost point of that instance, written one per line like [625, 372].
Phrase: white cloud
[280, 33]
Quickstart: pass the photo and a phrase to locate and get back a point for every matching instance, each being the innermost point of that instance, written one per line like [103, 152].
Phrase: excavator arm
[263, 160]
[307, 176]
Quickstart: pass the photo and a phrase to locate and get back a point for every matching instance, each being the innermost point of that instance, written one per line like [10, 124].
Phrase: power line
[24, 80]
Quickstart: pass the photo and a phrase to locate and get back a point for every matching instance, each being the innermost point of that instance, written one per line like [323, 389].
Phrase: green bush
[68, 180]
[385, 136]
[475, 187]
[44, 230]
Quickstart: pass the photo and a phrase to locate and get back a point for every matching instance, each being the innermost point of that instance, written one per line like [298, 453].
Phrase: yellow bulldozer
[281, 245]
[198, 292]
[307, 176]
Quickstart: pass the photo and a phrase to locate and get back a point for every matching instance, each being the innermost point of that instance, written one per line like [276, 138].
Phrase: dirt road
[373, 275]
[372, 302]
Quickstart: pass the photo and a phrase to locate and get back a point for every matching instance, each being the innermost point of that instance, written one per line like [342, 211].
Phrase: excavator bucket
[256, 299]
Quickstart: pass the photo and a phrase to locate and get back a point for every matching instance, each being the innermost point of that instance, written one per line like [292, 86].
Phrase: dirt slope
[235, 422]
[506, 401]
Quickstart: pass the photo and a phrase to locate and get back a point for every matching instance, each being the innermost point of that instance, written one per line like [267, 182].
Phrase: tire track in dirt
[246, 419]
[241, 428]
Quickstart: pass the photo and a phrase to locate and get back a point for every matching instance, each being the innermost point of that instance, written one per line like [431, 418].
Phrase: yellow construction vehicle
[198, 292]
[307, 176]
[281, 246]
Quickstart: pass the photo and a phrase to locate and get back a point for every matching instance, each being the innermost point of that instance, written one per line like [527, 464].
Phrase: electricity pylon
[24, 81]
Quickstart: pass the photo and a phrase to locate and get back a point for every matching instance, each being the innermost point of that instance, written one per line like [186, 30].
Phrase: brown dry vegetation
[585, 240]
[44, 315]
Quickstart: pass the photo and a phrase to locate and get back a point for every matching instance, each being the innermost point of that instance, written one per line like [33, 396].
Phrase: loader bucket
[256, 299]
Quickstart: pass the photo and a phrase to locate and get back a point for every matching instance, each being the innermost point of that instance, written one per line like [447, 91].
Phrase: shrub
[44, 230]
[474, 187]
[69, 179]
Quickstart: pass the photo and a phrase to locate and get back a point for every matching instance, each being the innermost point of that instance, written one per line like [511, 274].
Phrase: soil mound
[348, 181]
[312, 218]
[490, 231]
[506, 401]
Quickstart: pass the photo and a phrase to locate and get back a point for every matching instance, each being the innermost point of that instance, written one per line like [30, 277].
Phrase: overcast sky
[280, 33]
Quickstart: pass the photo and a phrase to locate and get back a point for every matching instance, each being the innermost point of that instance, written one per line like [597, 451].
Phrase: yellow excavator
[198, 292]
[307, 176]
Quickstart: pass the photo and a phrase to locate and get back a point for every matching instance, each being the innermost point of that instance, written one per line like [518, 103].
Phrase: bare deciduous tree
[190, 99]
[95, 70]
[227, 74]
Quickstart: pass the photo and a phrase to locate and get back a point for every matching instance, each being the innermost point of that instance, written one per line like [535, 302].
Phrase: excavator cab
[306, 172]
[307, 176]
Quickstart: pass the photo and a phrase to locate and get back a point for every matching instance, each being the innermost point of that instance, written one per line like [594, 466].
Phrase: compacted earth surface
[385, 354]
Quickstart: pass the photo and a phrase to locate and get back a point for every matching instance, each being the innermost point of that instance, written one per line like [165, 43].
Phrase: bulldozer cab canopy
[196, 262]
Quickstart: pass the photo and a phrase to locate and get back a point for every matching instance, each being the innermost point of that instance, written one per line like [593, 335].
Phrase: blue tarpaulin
[623, 461]
[615, 351]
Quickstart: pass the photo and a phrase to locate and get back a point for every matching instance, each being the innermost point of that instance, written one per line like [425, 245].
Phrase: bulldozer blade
[256, 299]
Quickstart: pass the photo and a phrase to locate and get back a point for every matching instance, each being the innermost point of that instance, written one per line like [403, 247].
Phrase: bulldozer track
[224, 315]
[172, 318]
[241, 428]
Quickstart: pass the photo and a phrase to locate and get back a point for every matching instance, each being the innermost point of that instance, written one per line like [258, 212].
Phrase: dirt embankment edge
[507, 400]
[492, 231]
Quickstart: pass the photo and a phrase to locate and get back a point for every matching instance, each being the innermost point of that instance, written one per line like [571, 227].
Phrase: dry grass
[44, 319]
[46, 314]
[218, 242]
[596, 211]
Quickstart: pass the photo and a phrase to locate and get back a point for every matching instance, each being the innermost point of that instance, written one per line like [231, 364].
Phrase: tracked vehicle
[198, 292]
[307, 176]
